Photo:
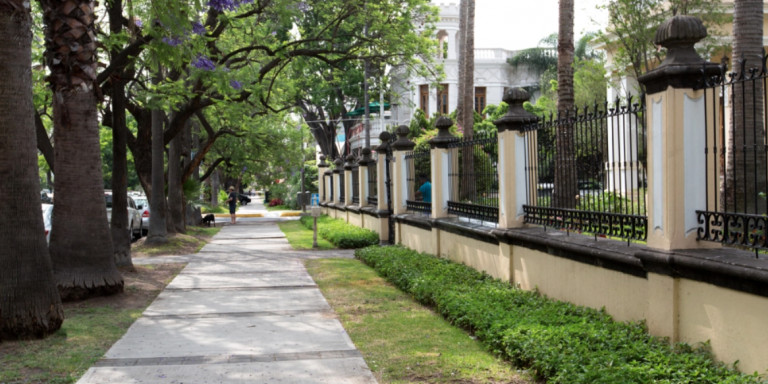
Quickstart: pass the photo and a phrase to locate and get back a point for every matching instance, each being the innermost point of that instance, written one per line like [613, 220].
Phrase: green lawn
[402, 341]
[300, 237]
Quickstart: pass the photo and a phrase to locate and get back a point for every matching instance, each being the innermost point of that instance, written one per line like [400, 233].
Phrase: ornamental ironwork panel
[474, 178]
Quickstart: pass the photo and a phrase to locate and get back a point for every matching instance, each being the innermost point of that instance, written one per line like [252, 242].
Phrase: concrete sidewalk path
[244, 310]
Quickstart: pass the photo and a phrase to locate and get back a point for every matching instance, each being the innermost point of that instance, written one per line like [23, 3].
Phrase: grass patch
[402, 341]
[90, 328]
[178, 244]
[341, 233]
[300, 237]
[205, 209]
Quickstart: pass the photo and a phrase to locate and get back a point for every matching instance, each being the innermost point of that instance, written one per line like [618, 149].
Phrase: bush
[560, 342]
[275, 202]
[341, 234]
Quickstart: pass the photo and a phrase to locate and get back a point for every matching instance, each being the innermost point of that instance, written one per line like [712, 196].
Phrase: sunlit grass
[401, 341]
[300, 237]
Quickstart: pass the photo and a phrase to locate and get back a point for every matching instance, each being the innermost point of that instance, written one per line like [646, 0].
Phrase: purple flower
[173, 40]
[223, 5]
[204, 63]
[235, 84]
[303, 6]
[138, 23]
[198, 28]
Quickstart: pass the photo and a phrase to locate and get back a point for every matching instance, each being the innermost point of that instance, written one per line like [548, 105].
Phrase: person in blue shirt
[425, 190]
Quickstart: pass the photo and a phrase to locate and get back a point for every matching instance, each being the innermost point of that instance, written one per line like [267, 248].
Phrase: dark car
[244, 199]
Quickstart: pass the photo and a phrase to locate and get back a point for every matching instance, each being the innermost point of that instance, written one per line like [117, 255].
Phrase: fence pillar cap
[322, 163]
[403, 143]
[366, 159]
[516, 117]
[682, 67]
[384, 138]
[339, 164]
[350, 162]
[444, 136]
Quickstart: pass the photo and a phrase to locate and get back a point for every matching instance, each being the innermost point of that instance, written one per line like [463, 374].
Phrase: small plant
[275, 202]
[341, 234]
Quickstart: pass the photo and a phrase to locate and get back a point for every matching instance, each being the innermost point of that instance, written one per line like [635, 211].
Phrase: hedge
[342, 234]
[559, 342]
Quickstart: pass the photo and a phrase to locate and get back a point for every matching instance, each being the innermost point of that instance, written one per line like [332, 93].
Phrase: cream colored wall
[418, 239]
[372, 223]
[477, 254]
[735, 323]
[355, 219]
[622, 295]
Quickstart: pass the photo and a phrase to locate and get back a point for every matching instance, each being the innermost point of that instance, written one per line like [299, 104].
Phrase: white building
[492, 76]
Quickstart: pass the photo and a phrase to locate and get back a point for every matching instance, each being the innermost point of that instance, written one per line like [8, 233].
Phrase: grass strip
[342, 234]
[560, 342]
[402, 341]
[300, 237]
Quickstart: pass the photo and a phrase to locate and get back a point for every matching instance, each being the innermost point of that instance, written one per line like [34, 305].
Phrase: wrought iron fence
[418, 171]
[589, 170]
[373, 186]
[736, 151]
[341, 187]
[356, 185]
[474, 178]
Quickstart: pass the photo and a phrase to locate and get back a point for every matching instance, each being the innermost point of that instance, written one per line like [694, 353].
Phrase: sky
[520, 24]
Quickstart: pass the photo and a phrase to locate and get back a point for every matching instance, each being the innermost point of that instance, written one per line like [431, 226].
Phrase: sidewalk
[244, 310]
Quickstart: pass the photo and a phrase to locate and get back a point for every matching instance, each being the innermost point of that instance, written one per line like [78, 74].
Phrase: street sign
[315, 200]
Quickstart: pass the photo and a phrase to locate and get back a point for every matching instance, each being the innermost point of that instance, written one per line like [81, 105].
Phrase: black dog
[209, 219]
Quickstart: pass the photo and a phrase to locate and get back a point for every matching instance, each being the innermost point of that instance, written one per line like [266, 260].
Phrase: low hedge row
[342, 234]
[560, 342]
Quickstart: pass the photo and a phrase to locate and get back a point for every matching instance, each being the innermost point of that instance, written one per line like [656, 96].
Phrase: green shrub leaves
[342, 234]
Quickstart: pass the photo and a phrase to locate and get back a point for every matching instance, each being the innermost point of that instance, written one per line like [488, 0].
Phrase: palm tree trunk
[566, 190]
[158, 232]
[121, 234]
[745, 152]
[29, 302]
[81, 242]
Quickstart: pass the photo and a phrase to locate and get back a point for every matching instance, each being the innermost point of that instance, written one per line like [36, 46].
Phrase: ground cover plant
[401, 340]
[559, 342]
[300, 237]
[342, 234]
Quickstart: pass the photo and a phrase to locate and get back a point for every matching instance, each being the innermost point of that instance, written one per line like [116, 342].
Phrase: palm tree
[746, 133]
[565, 170]
[81, 244]
[29, 304]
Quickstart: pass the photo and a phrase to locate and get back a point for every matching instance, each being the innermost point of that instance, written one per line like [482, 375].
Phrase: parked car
[47, 213]
[142, 204]
[134, 217]
[244, 199]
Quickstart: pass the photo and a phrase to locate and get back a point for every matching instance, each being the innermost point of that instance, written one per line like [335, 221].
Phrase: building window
[442, 99]
[479, 99]
[424, 98]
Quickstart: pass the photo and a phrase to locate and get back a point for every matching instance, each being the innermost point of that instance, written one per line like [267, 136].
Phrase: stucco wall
[415, 238]
[477, 254]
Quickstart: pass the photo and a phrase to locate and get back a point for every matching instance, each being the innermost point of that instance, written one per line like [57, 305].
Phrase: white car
[47, 211]
[134, 217]
[142, 203]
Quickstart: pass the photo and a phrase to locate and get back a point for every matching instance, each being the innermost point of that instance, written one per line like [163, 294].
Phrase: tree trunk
[745, 152]
[81, 244]
[462, 56]
[158, 233]
[121, 233]
[566, 189]
[29, 302]
[467, 96]
[175, 189]
[215, 189]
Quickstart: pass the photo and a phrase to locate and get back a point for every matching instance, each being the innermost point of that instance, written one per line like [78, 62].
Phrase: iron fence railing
[736, 152]
[341, 187]
[474, 178]
[355, 185]
[586, 170]
[418, 171]
[373, 184]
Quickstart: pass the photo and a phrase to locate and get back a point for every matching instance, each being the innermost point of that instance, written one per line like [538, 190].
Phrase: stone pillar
[364, 169]
[512, 172]
[348, 187]
[337, 175]
[399, 172]
[441, 164]
[383, 202]
[321, 187]
[676, 130]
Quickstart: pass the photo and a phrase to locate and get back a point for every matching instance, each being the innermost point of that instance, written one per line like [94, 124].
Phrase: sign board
[315, 200]
[316, 211]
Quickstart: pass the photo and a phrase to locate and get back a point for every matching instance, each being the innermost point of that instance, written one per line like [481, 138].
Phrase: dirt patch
[142, 285]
